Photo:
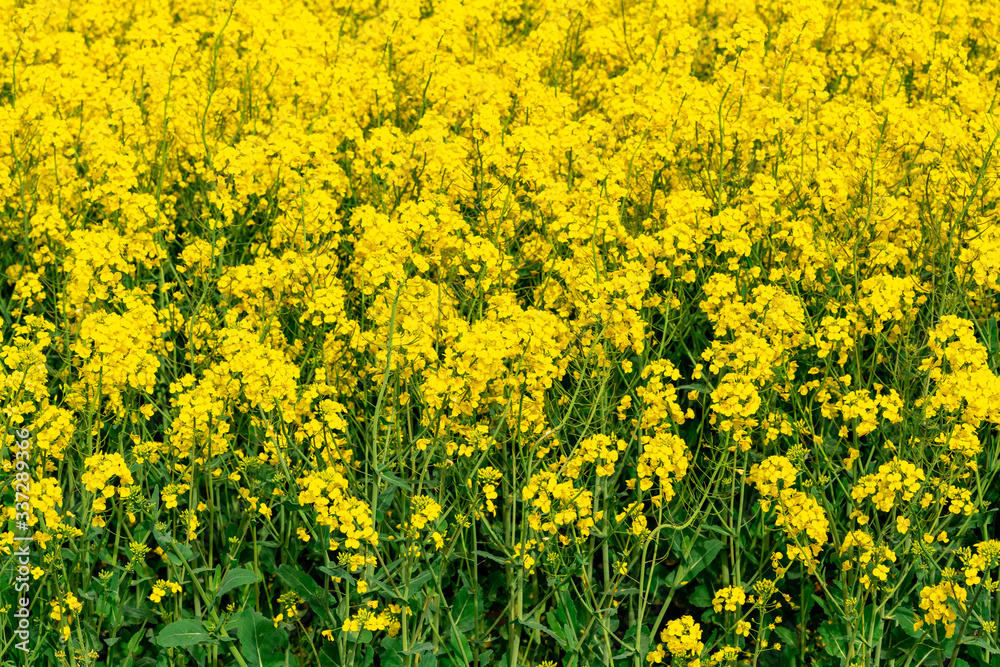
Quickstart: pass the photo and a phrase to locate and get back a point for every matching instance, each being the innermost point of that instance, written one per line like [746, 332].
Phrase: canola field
[499, 333]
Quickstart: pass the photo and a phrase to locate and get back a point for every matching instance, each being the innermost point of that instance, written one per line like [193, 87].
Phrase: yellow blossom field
[499, 333]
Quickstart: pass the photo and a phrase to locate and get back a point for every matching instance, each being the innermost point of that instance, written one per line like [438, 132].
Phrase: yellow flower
[160, 589]
[656, 655]
[729, 598]
[940, 603]
[682, 637]
[852, 456]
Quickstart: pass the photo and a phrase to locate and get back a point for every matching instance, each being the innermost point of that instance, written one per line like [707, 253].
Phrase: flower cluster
[895, 481]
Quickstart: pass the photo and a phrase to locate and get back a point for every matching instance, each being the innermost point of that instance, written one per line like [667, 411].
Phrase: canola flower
[501, 331]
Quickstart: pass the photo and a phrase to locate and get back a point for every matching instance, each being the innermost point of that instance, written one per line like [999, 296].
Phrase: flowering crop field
[499, 333]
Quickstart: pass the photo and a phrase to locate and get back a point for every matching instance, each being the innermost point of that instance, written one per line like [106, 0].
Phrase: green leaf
[337, 572]
[259, 639]
[381, 585]
[462, 651]
[492, 557]
[905, 618]
[538, 626]
[135, 615]
[417, 582]
[385, 499]
[701, 557]
[417, 649]
[701, 597]
[983, 644]
[868, 620]
[390, 658]
[300, 582]
[566, 614]
[787, 636]
[464, 608]
[821, 602]
[721, 530]
[703, 388]
[393, 479]
[569, 637]
[390, 655]
[187, 632]
[834, 635]
[240, 576]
